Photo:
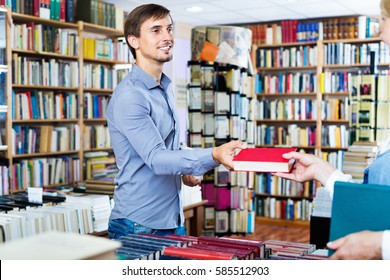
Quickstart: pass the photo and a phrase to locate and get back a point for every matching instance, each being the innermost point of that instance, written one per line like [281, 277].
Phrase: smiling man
[144, 131]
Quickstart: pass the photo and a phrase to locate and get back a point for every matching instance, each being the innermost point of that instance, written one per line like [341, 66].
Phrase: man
[144, 131]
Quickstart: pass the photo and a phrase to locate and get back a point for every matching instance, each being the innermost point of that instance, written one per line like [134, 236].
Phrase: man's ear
[133, 41]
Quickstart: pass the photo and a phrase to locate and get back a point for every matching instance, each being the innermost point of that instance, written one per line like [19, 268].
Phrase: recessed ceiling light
[194, 9]
[296, 1]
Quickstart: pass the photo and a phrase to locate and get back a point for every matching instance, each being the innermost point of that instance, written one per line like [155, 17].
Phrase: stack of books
[358, 157]
[54, 245]
[98, 203]
[322, 204]
[100, 186]
[280, 250]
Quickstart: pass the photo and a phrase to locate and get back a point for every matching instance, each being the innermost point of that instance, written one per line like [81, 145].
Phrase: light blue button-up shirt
[144, 131]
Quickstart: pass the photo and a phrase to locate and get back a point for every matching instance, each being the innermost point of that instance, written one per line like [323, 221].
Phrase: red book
[198, 254]
[263, 160]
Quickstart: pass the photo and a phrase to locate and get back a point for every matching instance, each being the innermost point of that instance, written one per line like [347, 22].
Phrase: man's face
[384, 30]
[156, 40]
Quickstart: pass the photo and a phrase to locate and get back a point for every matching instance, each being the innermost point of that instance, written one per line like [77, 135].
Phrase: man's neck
[154, 69]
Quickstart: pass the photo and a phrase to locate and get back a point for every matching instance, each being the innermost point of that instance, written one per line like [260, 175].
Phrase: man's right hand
[224, 154]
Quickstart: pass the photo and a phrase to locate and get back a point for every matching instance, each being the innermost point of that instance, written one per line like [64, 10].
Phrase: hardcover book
[263, 160]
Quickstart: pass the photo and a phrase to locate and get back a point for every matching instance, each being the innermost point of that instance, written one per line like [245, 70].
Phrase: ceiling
[246, 11]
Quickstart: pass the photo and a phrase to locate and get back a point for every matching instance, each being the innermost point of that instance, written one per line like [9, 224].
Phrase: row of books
[220, 78]
[4, 180]
[95, 105]
[45, 138]
[101, 13]
[287, 109]
[44, 38]
[41, 105]
[100, 165]
[266, 183]
[98, 76]
[61, 10]
[279, 208]
[76, 213]
[350, 54]
[358, 157]
[335, 136]
[108, 49]
[287, 57]
[175, 247]
[336, 159]
[289, 31]
[45, 172]
[224, 198]
[44, 72]
[292, 135]
[296, 82]
[96, 137]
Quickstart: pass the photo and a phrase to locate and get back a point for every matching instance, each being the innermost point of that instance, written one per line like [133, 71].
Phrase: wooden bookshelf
[282, 222]
[80, 30]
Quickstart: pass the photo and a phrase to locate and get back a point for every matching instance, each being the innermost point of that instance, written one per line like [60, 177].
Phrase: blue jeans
[121, 227]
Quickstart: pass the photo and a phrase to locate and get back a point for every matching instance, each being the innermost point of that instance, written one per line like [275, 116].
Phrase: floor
[292, 234]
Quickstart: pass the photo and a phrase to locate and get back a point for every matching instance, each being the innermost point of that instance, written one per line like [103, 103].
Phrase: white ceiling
[246, 11]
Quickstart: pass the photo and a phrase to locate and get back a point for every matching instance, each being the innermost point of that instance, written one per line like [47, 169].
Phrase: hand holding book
[264, 160]
[307, 167]
[224, 154]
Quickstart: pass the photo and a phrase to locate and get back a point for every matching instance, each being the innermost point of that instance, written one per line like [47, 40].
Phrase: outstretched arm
[307, 167]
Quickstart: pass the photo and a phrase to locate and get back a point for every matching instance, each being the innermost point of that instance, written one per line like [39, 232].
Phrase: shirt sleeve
[337, 175]
[132, 118]
[386, 245]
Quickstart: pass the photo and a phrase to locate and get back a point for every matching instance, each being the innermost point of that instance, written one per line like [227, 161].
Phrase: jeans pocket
[138, 229]
[119, 227]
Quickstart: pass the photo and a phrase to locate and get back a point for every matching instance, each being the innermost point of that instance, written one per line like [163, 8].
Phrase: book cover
[263, 160]
[358, 207]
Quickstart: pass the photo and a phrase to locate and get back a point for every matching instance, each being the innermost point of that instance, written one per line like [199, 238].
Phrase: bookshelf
[59, 78]
[335, 61]
[218, 112]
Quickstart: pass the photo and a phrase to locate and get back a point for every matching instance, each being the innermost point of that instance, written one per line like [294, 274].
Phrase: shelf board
[346, 65]
[96, 120]
[291, 68]
[284, 196]
[99, 29]
[45, 87]
[286, 121]
[354, 40]
[336, 94]
[335, 121]
[22, 18]
[286, 95]
[285, 146]
[98, 90]
[44, 154]
[294, 44]
[45, 54]
[282, 222]
[104, 61]
[333, 148]
[98, 149]
[46, 121]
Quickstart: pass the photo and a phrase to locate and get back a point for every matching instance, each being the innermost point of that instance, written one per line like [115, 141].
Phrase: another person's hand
[224, 154]
[364, 245]
[191, 181]
[307, 167]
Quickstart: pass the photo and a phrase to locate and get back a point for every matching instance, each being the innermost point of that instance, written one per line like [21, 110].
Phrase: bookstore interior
[316, 85]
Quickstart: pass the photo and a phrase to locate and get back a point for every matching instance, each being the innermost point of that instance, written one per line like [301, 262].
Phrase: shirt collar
[149, 82]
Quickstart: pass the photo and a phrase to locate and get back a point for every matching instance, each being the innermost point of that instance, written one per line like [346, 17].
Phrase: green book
[358, 207]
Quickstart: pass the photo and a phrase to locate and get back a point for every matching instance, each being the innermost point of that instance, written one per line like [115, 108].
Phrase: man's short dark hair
[138, 16]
